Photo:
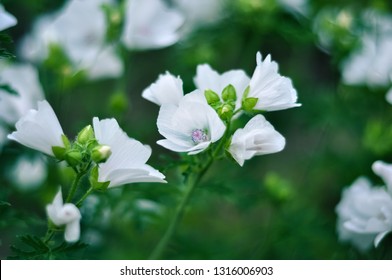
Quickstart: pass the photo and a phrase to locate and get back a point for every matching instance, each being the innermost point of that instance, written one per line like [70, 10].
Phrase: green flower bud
[101, 153]
[229, 94]
[73, 158]
[246, 92]
[99, 186]
[249, 103]
[58, 151]
[212, 97]
[85, 135]
[226, 112]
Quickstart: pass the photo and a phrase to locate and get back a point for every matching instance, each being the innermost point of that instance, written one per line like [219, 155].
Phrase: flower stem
[88, 192]
[191, 183]
[74, 186]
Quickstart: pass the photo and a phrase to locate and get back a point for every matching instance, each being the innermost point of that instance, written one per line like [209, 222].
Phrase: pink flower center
[199, 136]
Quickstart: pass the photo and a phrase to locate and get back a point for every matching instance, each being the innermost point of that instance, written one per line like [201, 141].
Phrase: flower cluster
[365, 212]
[104, 150]
[147, 24]
[192, 122]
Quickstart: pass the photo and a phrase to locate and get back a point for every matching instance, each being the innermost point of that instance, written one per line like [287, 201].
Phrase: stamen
[199, 136]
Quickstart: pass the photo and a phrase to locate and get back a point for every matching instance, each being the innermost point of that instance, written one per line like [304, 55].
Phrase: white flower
[127, 163]
[39, 129]
[388, 96]
[167, 89]
[364, 214]
[28, 173]
[274, 92]
[298, 6]
[258, 137]
[189, 127]
[200, 13]
[23, 78]
[6, 19]
[150, 24]
[83, 39]
[384, 170]
[67, 215]
[207, 78]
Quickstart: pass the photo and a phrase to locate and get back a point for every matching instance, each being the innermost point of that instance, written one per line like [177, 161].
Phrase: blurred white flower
[23, 78]
[150, 24]
[67, 215]
[298, 6]
[207, 78]
[384, 170]
[28, 173]
[364, 214]
[127, 163]
[39, 129]
[189, 127]
[258, 137]
[371, 64]
[274, 92]
[6, 19]
[167, 89]
[83, 39]
[388, 96]
[200, 13]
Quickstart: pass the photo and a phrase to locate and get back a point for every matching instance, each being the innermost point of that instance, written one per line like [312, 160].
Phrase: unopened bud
[229, 94]
[211, 97]
[101, 153]
[73, 158]
[85, 135]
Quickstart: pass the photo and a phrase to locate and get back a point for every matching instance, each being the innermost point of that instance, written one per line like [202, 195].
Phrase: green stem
[74, 186]
[88, 192]
[191, 184]
[49, 234]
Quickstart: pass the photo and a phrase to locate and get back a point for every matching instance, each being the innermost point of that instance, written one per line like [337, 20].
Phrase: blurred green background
[279, 206]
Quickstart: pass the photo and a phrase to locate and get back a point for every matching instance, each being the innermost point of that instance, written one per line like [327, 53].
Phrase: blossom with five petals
[364, 214]
[189, 127]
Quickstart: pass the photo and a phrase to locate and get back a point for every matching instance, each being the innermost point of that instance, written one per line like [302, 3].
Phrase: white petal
[167, 89]
[380, 237]
[384, 170]
[128, 156]
[150, 24]
[72, 231]
[54, 208]
[39, 129]
[258, 137]
[6, 19]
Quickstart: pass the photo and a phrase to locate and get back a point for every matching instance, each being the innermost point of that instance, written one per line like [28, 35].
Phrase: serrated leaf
[34, 242]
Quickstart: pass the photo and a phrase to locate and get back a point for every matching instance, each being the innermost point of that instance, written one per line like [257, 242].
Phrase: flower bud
[85, 135]
[226, 112]
[229, 94]
[249, 103]
[101, 153]
[73, 158]
[211, 97]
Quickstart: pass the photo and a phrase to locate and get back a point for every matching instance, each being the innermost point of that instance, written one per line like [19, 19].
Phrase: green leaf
[66, 247]
[99, 186]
